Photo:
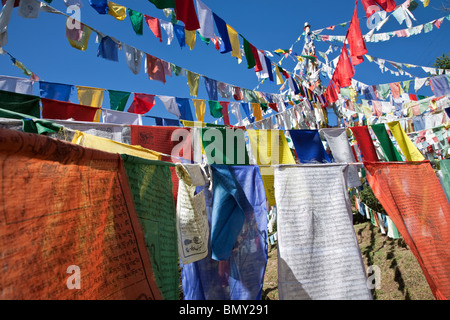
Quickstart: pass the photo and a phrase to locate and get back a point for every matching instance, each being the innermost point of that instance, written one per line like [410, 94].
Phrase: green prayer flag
[151, 186]
[248, 54]
[215, 109]
[118, 99]
[39, 126]
[163, 4]
[225, 146]
[389, 150]
[444, 167]
[264, 106]
[137, 21]
[21, 103]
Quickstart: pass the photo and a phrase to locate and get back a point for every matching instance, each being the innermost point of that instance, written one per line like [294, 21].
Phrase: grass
[401, 275]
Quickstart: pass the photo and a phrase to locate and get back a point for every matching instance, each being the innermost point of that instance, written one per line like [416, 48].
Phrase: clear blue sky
[41, 45]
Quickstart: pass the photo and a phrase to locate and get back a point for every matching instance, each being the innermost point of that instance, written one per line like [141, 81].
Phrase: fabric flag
[251, 62]
[248, 113]
[189, 38]
[92, 97]
[444, 167]
[236, 111]
[241, 276]
[269, 148]
[395, 89]
[163, 4]
[355, 40]
[180, 34]
[256, 107]
[308, 197]
[170, 141]
[133, 58]
[17, 85]
[155, 68]
[54, 109]
[205, 20]
[224, 89]
[154, 25]
[168, 28]
[415, 201]
[234, 42]
[120, 117]
[371, 6]
[118, 99]
[279, 77]
[211, 88]
[344, 71]
[142, 103]
[215, 109]
[108, 49]
[200, 106]
[408, 148]
[389, 150]
[440, 85]
[29, 9]
[237, 94]
[226, 118]
[221, 25]
[55, 91]
[309, 146]
[90, 141]
[21, 103]
[137, 21]
[117, 11]
[342, 153]
[170, 104]
[365, 143]
[81, 40]
[101, 6]
[74, 177]
[185, 108]
[191, 217]
[185, 11]
[151, 187]
[225, 146]
[193, 82]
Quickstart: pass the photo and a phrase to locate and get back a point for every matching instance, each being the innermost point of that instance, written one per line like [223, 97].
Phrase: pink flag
[154, 25]
[155, 69]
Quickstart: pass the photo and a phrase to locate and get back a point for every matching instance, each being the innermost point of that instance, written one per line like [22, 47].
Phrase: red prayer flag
[330, 93]
[372, 6]
[355, 40]
[258, 66]
[62, 110]
[226, 118]
[154, 25]
[155, 69]
[185, 11]
[142, 103]
[344, 70]
[365, 143]
[273, 106]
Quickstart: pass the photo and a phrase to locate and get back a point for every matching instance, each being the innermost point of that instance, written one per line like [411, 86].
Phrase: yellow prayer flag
[234, 40]
[82, 43]
[189, 38]
[193, 80]
[117, 11]
[200, 107]
[257, 111]
[107, 145]
[279, 77]
[426, 3]
[269, 147]
[408, 148]
[92, 97]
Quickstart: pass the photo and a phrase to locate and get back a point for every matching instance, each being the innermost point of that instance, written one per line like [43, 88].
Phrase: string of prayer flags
[142, 103]
[55, 91]
[308, 146]
[21, 103]
[408, 148]
[185, 11]
[118, 99]
[54, 109]
[386, 144]
[414, 199]
[308, 197]
[365, 143]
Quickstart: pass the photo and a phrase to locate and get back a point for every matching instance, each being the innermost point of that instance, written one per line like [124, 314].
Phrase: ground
[401, 275]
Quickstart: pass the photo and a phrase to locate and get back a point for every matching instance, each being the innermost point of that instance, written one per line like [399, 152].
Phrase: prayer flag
[142, 103]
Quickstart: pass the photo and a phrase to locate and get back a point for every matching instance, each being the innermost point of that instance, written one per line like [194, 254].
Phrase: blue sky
[40, 44]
